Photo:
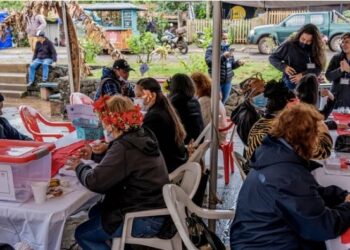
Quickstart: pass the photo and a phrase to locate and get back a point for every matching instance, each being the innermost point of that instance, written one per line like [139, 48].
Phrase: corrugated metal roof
[282, 4]
[112, 6]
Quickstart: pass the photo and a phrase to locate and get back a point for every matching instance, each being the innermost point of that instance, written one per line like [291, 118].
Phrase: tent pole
[65, 26]
[215, 98]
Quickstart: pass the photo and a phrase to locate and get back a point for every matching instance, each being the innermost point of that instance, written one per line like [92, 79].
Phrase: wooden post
[65, 26]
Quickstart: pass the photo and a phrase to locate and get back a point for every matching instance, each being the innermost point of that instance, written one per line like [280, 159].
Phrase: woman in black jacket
[338, 72]
[162, 120]
[280, 205]
[303, 53]
[131, 176]
[187, 106]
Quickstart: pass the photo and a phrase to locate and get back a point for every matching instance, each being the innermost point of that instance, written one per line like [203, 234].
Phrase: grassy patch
[164, 70]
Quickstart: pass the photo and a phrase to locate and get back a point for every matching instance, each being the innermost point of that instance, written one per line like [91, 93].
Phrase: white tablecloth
[342, 181]
[42, 225]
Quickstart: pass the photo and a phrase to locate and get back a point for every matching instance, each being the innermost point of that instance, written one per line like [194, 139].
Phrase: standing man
[35, 23]
[114, 80]
[45, 55]
[299, 55]
[227, 65]
[338, 73]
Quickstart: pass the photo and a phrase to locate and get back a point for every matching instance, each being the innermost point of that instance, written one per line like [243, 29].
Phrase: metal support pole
[215, 98]
[65, 26]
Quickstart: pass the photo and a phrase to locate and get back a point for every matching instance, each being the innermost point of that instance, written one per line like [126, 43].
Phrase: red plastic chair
[227, 151]
[31, 117]
[79, 98]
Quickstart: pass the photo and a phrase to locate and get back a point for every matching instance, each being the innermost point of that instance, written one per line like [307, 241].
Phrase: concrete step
[13, 86]
[16, 78]
[13, 93]
[13, 68]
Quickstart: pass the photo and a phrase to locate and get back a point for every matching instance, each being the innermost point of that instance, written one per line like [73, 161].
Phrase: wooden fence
[238, 28]
[276, 16]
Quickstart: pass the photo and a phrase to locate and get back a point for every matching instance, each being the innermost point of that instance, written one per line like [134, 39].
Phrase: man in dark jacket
[228, 64]
[6, 130]
[45, 55]
[338, 72]
[281, 206]
[114, 80]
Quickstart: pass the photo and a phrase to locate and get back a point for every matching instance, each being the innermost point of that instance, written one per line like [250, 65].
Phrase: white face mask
[139, 101]
[108, 136]
[122, 79]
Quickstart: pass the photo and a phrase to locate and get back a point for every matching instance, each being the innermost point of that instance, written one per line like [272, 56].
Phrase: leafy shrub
[142, 44]
[195, 63]
[91, 50]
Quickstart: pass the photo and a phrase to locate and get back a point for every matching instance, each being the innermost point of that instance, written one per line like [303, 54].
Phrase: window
[317, 19]
[108, 18]
[295, 21]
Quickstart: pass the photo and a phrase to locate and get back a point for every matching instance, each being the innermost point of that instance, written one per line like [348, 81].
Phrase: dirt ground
[42, 106]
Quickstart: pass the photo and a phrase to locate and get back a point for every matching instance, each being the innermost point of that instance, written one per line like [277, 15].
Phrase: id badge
[344, 81]
[228, 65]
[310, 66]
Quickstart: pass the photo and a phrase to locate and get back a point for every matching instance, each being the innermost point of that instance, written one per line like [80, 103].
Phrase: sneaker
[29, 84]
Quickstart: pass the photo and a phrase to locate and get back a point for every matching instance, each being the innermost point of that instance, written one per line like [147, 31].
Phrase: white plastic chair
[79, 98]
[189, 176]
[177, 200]
[199, 153]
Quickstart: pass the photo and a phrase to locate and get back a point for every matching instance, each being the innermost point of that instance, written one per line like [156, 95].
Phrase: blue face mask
[259, 101]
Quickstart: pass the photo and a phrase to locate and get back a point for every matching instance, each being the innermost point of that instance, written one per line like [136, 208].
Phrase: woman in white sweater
[203, 91]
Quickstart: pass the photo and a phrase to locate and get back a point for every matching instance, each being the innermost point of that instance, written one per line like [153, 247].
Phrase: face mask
[259, 101]
[122, 79]
[304, 46]
[139, 101]
[108, 136]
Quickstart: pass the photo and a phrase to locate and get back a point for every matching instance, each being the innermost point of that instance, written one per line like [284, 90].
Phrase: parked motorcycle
[177, 41]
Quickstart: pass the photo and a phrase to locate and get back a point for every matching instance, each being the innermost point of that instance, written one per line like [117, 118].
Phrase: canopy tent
[287, 4]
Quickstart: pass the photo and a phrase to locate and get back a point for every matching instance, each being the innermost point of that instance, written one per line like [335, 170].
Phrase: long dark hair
[162, 101]
[307, 90]
[182, 85]
[278, 96]
[317, 46]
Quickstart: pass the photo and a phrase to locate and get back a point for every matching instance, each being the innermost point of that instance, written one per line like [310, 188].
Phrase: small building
[119, 20]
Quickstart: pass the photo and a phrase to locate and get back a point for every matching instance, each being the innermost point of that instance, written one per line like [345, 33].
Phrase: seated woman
[281, 205]
[131, 176]
[203, 91]
[307, 91]
[162, 120]
[278, 95]
[186, 105]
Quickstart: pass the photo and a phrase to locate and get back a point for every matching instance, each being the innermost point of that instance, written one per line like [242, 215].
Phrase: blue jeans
[91, 235]
[225, 91]
[35, 65]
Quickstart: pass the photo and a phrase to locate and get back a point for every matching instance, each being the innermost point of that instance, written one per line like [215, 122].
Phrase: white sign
[83, 111]
[7, 189]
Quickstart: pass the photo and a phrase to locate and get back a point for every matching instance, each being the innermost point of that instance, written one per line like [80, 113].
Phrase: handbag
[244, 116]
[201, 236]
[342, 144]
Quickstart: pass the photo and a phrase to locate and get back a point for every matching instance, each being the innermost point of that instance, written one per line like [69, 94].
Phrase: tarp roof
[286, 4]
[112, 6]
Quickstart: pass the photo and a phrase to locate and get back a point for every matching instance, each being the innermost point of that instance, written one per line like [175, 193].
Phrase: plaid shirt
[113, 87]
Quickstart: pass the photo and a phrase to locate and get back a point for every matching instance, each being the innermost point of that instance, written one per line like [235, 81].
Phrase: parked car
[332, 25]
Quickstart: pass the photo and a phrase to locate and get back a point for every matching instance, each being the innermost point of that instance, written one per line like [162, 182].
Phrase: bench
[47, 89]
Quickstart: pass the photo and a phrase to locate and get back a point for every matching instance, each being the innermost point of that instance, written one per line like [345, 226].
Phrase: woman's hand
[289, 71]
[344, 66]
[86, 152]
[296, 78]
[326, 92]
[347, 198]
[99, 148]
[73, 163]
